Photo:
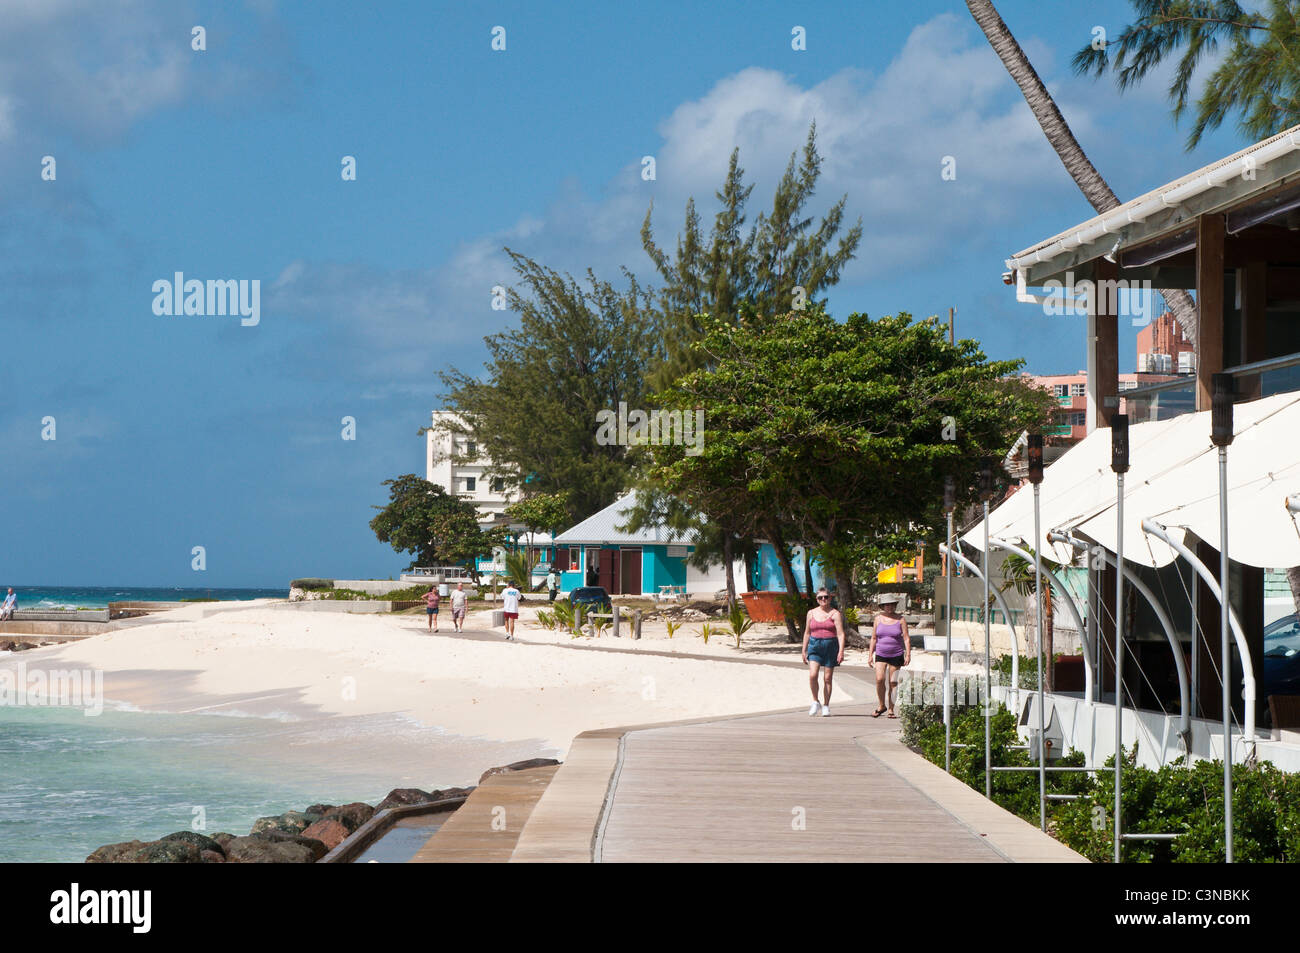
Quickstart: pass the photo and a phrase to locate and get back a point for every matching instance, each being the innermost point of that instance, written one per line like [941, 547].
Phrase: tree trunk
[1293, 580]
[848, 594]
[807, 569]
[1057, 131]
[731, 572]
[794, 633]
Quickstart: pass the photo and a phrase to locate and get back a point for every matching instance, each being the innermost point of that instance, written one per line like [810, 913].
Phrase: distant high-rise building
[1163, 349]
[454, 463]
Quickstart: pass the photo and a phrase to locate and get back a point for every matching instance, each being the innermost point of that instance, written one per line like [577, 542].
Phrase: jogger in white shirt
[510, 603]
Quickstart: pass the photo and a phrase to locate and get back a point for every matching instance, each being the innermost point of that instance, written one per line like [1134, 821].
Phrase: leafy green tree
[438, 529]
[579, 350]
[541, 511]
[776, 266]
[1258, 76]
[838, 432]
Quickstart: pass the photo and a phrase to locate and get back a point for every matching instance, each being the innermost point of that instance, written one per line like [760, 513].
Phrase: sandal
[877, 713]
[892, 715]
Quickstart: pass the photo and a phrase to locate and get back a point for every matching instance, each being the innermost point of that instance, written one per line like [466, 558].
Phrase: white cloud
[883, 137]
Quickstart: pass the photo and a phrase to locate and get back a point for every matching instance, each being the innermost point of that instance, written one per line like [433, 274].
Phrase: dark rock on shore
[312, 843]
[351, 815]
[517, 766]
[294, 837]
[291, 822]
[405, 797]
[329, 832]
[259, 849]
[169, 850]
[116, 853]
[201, 841]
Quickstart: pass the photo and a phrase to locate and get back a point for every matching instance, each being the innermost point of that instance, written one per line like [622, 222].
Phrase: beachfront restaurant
[1228, 233]
[650, 561]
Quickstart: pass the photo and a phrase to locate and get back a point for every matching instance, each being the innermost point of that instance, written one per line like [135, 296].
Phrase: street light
[1221, 436]
[986, 494]
[1036, 478]
[949, 504]
[1119, 463]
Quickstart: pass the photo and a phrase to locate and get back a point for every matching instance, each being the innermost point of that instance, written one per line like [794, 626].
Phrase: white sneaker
[826, 711]
[814, 708]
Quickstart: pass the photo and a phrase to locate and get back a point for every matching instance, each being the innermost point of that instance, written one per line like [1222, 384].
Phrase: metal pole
[949, 504]
[1042, 731]
[1119, 653]
[1223, 653]
[988, 666]
[1035, 474]
[1119, 463]
[947, 655]
[1221, 435]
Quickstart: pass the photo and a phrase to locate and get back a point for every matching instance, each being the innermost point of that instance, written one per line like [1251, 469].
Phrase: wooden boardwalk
[782, 787]
[486, 827]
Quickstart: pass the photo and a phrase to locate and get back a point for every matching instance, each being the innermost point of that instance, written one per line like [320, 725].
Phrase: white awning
[1173, 479]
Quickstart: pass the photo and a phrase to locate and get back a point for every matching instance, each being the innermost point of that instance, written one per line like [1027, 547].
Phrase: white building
[454, 463]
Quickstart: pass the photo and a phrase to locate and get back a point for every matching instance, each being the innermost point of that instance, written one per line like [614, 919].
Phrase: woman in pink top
[890, 650]
[823, 648]
[431, 600]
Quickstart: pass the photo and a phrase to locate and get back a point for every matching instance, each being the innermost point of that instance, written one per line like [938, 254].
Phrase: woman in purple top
[823, 647]
[890, 650]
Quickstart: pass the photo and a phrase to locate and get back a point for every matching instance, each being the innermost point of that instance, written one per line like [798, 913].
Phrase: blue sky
[175, 432]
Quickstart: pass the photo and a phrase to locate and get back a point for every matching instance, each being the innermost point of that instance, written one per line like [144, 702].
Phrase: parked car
[1281, 675]
[591, 598]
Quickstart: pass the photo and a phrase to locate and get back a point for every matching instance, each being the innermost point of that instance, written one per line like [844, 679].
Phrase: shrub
[1175, 799]
[739, 621]
[312, 583]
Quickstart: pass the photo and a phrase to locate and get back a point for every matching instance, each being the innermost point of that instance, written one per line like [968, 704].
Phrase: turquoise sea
[70, 783]
[98, 597]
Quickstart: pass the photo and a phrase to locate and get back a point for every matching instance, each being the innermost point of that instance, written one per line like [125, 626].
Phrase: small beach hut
[596, 552]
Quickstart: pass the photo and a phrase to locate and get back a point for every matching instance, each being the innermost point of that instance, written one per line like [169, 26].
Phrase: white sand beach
[476, 698]
[533, 694]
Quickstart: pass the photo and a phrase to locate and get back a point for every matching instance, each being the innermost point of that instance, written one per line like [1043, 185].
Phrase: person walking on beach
[11, 602]
[459, 600]
[823, 648]
[431, 600]
[510, 603]
[553, 583]
[890, 650]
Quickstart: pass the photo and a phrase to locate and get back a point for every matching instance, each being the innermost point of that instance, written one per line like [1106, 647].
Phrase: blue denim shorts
[823, 651]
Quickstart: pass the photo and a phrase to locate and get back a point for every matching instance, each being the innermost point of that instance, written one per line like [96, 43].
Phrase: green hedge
[312, 583]
[1174, 799]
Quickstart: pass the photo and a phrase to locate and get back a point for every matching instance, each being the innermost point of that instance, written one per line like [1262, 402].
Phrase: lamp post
[949, 504]
[1036, 478]
[1119, 463]
[1221, 436]
[986, 494]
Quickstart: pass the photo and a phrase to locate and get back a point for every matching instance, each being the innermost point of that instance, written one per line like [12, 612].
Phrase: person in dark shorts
[823, 649]
[431, 600]
[890, 650]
